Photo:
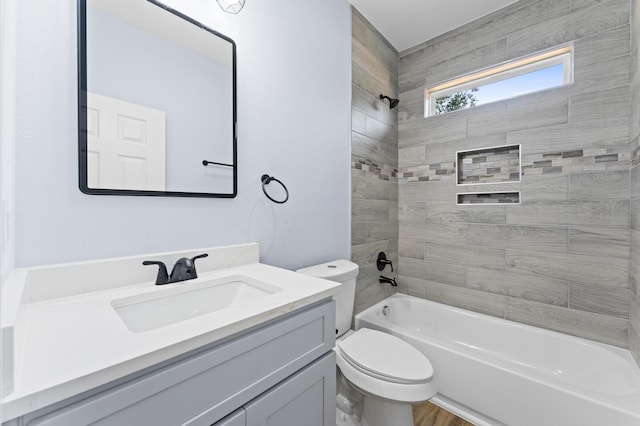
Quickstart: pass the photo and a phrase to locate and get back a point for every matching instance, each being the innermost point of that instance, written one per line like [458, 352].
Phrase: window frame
[563, 54]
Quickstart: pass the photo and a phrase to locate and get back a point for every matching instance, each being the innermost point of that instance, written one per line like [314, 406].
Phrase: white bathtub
[497, 372]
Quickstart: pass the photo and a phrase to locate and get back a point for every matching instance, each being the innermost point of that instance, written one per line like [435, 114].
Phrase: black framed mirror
[156, 102]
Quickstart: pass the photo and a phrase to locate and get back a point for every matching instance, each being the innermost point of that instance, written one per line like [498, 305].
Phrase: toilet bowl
[390, 373]
[386, 371]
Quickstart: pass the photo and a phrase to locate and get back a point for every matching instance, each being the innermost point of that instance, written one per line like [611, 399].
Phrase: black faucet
[183, 270]
[388, 280]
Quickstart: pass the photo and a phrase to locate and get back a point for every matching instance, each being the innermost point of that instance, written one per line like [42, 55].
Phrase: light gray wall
[293, 103]
[560, 259]
[634, 260]
[374, 160]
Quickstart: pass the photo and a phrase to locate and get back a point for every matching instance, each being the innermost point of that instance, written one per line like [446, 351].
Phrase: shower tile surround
[580, 175]
[374, 160]
[560, 259]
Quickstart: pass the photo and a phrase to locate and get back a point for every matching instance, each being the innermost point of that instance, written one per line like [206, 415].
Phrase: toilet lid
[385, 356]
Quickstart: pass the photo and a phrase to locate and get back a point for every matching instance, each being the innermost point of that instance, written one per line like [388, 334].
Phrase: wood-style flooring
[428, 414]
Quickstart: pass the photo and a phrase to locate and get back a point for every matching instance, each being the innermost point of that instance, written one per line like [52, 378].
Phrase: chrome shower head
[392, 102]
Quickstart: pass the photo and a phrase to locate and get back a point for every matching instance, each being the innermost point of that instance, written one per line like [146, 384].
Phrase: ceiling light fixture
[231, 6]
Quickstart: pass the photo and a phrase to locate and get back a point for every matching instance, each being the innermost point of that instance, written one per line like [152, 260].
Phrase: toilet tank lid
[337, 270]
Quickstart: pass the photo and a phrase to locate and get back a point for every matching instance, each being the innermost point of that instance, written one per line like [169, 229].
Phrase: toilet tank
[344, 272]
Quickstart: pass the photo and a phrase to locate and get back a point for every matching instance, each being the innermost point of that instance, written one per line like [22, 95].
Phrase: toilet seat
[385, 357]
[382, 365]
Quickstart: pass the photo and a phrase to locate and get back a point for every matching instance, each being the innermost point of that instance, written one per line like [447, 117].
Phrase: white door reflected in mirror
[125, 145]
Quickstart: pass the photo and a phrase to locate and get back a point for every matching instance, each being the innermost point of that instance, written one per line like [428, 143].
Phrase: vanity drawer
[203, 388]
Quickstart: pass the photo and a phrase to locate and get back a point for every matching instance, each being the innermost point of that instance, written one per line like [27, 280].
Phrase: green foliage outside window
[456, 101]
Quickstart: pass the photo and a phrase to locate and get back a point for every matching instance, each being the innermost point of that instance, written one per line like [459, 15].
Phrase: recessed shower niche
[488, 198]
[499, 164]
[485, 166]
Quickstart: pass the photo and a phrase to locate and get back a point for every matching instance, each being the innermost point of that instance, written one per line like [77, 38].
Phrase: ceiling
[406, 23]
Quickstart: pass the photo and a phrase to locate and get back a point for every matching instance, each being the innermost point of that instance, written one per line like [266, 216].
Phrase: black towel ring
[266, 179]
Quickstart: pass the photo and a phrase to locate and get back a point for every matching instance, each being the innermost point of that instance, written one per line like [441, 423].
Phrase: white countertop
[68, 345]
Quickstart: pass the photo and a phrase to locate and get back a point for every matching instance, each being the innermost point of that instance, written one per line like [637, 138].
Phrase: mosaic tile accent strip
[578, 161]
[489, 198]
[428, 172]
[373, 169]
[489, 165]
[556, 162]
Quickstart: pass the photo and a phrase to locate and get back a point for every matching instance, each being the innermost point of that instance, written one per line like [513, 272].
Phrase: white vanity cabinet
[279, 373]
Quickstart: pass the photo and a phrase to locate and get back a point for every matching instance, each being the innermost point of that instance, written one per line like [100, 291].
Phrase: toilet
[386, 373]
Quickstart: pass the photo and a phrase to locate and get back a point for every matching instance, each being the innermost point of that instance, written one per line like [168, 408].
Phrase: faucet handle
[382, 261]
[193, 260]
[163, 276]
[200, 256]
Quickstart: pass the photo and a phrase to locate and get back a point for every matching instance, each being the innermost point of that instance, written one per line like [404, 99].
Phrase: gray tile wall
[374, 159]
[559, 260]
[634, 259]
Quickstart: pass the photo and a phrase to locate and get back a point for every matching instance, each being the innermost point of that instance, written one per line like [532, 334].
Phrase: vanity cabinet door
[237, 418]
[307, 398]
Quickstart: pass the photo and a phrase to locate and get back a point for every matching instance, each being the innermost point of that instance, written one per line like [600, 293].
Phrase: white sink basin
[188, 300]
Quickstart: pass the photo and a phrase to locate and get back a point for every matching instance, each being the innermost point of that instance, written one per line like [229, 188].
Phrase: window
[537, 72]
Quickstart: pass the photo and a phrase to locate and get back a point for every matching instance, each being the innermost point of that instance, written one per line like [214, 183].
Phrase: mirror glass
[157, 102]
